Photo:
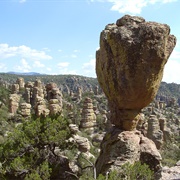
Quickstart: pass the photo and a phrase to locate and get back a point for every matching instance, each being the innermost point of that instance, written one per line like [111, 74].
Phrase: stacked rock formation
[14, 103]
[20, 82]
[54, 97]
[153, 132]
[15, 88]
[167, 135]
[37, 91]
[28, 92]
[129, 67]
[40, 107]
[25, 109]
[79, 93]
[88, 119]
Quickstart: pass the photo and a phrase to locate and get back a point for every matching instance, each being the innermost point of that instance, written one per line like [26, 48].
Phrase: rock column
[129, 67]
[88, 120]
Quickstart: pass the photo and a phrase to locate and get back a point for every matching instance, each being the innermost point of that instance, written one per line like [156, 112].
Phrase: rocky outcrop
[120, 147]
[20, 82]
[88, 119]
[54, 96]
[25, 109]
[41, 107]
[54, 107]
[129, 65]
[15, 89]
[169, 173]
[27, 95]
[153, 132]
[14, 103]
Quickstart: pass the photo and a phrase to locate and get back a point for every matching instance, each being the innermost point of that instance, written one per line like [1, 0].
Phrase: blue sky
[62, 36]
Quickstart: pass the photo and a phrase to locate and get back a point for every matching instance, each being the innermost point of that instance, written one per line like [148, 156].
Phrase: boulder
[120, 147]
[129, 65]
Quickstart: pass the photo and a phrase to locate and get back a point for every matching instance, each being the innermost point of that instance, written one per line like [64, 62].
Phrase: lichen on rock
[129, 65]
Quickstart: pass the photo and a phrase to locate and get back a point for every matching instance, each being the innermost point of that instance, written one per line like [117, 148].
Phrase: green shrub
[136, 171]
[27, 149]
[170, 153]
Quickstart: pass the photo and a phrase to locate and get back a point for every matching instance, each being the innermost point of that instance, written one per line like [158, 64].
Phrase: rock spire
[129, 67]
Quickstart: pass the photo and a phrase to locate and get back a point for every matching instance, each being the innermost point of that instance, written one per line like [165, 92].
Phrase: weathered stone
[27, 95]
[29, 84]
[83, 143]
[88, 118]
[129, 66]
[55, 109]
[167, 134]
[40, 107]
[20, 82]
[25, 109]
[13, 103]
[153, 132]
[119, 147]
[168, 173]
[73, 128]
[15, 88]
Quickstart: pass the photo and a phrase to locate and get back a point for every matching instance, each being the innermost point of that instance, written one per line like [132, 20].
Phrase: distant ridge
[25, 74]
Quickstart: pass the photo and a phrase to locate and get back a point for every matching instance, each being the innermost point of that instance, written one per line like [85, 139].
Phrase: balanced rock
[129, 65]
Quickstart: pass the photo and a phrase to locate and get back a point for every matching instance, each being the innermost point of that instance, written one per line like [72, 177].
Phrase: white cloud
[22, 51]
[64, 69]
[67, 71]
[89, 68]
[63, 64]
[49, 69]
[22, 1]
[38, 64]
[24, 67]
[132, 6]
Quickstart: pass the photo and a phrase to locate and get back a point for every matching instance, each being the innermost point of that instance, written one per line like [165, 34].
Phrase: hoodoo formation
[129, 66]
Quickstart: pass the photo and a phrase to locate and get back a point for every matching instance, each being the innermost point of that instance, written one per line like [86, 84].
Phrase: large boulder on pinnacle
[129, 65]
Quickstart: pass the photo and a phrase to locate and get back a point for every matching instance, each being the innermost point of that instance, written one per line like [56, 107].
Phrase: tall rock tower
[129, 67]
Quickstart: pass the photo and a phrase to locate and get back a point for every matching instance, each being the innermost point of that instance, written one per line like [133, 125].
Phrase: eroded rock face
[13, 103]
[120, 147]
[129, 66]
